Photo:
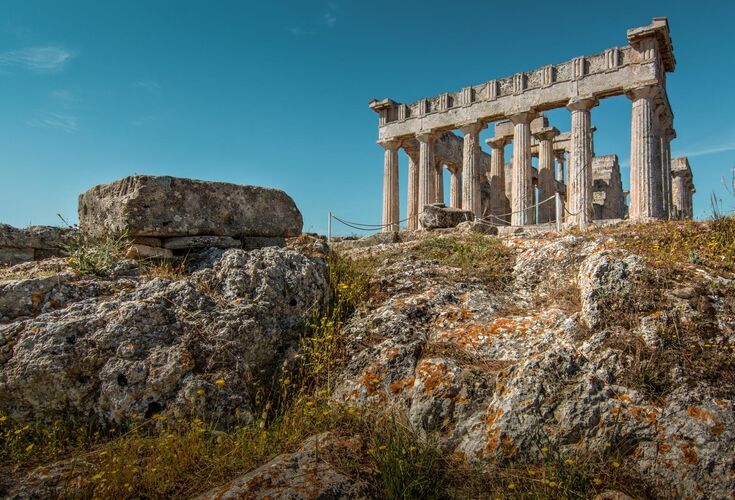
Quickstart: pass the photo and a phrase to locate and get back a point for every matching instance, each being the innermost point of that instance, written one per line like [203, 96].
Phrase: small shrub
[94, 255]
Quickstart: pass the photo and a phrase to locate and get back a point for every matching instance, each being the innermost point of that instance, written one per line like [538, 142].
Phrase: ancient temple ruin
[591, 188]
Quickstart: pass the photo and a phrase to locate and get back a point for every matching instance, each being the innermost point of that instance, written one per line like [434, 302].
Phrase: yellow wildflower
[597, 481]
[200, 392]
[616, 464]
[544, 450]
[3, 418]
[511, 486]
[29, 448]
[220, 382]
[569, 461]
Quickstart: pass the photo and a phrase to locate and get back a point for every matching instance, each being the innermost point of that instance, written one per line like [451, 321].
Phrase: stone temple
[517, 193]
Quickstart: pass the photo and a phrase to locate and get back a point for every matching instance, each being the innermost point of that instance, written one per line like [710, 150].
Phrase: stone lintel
[546, 133]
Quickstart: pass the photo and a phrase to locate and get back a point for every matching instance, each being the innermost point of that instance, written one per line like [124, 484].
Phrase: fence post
[557, 199]
[329, 228]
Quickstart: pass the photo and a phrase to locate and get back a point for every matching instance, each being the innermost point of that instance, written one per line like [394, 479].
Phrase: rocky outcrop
[303, 474]
[35, 242]
[124, 347]
[181, 213]
[438, 215]
[490, 384]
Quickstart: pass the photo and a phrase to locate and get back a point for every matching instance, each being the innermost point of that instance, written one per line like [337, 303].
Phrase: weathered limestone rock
[201, 242]
[438, 215]
[477, 227]
[168, 207]
[156, 345]
[300, 475]
[35, 242]
[145, 252]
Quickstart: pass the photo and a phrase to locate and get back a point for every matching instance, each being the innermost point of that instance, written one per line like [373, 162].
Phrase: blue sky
[275, 93]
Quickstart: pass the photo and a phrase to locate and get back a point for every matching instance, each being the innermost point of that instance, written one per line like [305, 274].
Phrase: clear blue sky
[275, 93]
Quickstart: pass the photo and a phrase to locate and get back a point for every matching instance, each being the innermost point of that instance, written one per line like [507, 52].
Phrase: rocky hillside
[429, 365]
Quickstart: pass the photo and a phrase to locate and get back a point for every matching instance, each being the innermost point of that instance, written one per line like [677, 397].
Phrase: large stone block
[167, 207]
[437, 215]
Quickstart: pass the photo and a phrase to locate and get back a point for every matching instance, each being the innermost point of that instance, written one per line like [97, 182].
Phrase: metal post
[557, 198]
[329, 228]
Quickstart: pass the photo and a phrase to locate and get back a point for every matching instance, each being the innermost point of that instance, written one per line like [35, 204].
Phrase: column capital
[497, 142]
[471, 127]
[523, 116]
[559, 154]
[670, 134]
[546, 133]
[426, 136]
[389, 144]
[644, 91]
[582, 103]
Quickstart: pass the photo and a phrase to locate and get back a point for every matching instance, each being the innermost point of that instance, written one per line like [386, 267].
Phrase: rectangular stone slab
[166, 207]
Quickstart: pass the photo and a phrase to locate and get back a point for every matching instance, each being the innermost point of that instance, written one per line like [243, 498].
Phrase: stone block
[253, 242]
[146, 252]
[438, 215]
[201, 242]
[167, 207]
[477, 227]
[11, 256]
[151, 242]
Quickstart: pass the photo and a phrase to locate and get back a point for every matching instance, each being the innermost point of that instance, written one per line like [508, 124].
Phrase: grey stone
[35, 242]
[201, 242]
[438, 215]
[147, 241]
[477, 227]
[169, 206]
[253, 242]
[158, 346]
[304, 474]
[12, 256]
[146, 252]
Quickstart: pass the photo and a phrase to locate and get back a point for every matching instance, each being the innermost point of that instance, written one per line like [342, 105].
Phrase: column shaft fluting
[666, 202]
[497, 178]
[471, 168]
[560, 181]
[412, 211]
[390, 186]
[427, 188]
[455, 188]
[520, 202]
[579, 177]
[439, 183]
[645, 174]
[546, 174]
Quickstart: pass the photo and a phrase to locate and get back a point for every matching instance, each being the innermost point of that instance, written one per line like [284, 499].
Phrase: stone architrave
[426, 170]
[645, 171]
[166, 207]
[579, 178]
[546, 174]
[390, 186]
[521, 174]
[471, 168]
[412, 212]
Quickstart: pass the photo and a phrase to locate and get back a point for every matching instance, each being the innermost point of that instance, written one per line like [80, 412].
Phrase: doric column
[471, 168]
[666, 206]
[560, 181]
[455, 187]
[390, 186]
[439, 183]
[497, 177]
[546, 174]
[427, 188]
[520, 202]
[579, 177]
[412, 212]
[645, 178]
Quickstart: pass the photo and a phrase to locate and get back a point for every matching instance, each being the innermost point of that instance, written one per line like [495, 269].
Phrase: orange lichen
[399, 386]
[690, 456]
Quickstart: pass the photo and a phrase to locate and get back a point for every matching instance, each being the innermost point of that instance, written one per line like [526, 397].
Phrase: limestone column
[471, 168]
[666, 203]
[645, 178]
[439, 183]
[560, 180]
[497, 177]
[579, 177]
[521, 180]
[546, 174]
[412, 212]
[390, 186]
[455, 187]
[427, 188]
